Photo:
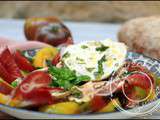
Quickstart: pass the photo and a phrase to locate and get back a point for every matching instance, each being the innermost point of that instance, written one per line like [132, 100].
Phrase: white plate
[26, 114]
[81, 31]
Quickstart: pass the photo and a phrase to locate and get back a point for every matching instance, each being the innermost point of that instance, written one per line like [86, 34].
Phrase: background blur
[108, 11]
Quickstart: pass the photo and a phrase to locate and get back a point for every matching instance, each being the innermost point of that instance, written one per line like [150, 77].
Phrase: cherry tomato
[56, 59]
[47, 29]
[9, 69]
[22, 62]
[98, 103]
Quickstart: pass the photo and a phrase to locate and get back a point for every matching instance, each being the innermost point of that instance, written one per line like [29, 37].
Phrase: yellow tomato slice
[62, 108]
[110, 107]
[6, 99]
[47, 53]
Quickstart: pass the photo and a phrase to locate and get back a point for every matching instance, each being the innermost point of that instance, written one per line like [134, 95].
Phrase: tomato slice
[140, 80]
[97, 103]
[31, 89]
[56, 59]
[10, 70]
[22, 62]
[5, 75]
[38, 97]
[136, 67]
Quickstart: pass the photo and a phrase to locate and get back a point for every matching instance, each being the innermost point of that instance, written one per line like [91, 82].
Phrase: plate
[152, 64]
[81, 32]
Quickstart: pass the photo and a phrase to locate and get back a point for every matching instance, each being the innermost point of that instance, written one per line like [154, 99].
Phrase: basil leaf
[102, 48]
[66, 78]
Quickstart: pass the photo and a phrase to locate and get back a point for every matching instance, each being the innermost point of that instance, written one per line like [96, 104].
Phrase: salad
[74, 79]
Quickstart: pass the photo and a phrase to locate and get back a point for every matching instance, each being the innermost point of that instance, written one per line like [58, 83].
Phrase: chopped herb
[66, 78]
[90, 69]
[80, 61]
[84, 46]
[66, 55]
[82, 78]
[100, 71]
[76, 93]
[16, 82]
[48, 62]
[102, 48]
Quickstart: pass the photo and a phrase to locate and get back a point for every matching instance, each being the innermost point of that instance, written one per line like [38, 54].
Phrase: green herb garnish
[90, 69]
[100, 71]
[16, 82]
[66, 55]
[80, 61]
[76, 93]
[102, 48]
[84, 46]
[66, 78]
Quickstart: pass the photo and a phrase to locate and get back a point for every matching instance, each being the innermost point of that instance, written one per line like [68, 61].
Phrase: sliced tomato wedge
[22, 62]
[31, 89]
[56, 59]
[97, 103]
[10, 70]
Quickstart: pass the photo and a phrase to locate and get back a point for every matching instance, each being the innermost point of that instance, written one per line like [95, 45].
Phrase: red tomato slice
[10, 70]
[140, 80]
[136, 67]
[31, 88]
[38, 97]
[5, 75]
[36, 79]
[56, 59]
[97, 103]
[22, 62]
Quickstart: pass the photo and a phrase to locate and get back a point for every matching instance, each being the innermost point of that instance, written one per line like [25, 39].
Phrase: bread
[142, 35]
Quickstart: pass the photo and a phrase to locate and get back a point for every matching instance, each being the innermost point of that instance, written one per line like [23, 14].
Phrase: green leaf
[100, 71]
[66, 78]
[102, 48]
[82, 78]
[66, 55]
[14, 83]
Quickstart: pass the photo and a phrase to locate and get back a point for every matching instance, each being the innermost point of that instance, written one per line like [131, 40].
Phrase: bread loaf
[142, 35]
